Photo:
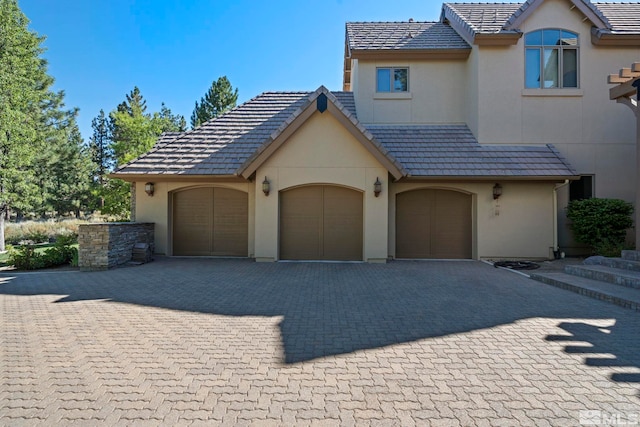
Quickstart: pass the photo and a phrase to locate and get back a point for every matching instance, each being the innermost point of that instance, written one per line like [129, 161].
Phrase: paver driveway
[234, 342]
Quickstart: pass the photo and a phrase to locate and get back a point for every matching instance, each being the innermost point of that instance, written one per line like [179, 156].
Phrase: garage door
[433, 224]
[210, 222]
[321, 222]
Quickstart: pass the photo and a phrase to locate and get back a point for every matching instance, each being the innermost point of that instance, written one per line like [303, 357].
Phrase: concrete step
[616, 276]
[618, 295]
[631, 255]
[620, 263]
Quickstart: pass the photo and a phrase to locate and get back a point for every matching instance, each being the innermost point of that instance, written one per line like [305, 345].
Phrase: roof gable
[499, 23]
[527, 8]
[323, 101]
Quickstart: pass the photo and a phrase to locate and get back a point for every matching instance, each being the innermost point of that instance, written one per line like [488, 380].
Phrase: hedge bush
[601, 223]
[63, 252]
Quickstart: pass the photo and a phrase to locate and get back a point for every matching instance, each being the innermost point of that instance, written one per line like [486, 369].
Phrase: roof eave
[607, 38]
[502, 38]
[501, 178]
[174, 177]
[411, 54]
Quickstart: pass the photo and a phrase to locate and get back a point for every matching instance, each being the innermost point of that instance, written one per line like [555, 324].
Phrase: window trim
[560, 48]
[391, 81]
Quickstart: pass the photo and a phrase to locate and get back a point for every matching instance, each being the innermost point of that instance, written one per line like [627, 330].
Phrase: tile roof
[622, 17]
[491, 18]
[224, 145]
[483, 17]
[452, 151]
[403, 36]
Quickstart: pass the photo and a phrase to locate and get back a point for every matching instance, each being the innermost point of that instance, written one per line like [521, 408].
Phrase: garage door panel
[321, 223]
[433, 224]
[210, 222]
[191, 215]
[230, 219]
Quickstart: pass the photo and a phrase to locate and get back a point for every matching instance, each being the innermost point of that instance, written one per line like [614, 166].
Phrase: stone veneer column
[107, 245]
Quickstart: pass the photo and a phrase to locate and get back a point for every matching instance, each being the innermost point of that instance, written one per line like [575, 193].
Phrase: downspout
[555, 214]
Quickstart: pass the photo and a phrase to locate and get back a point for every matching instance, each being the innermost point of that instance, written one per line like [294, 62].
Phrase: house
[462, 138]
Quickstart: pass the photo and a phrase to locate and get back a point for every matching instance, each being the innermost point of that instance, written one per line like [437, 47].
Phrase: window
[392, 79]
[582, 188]
[551, 59]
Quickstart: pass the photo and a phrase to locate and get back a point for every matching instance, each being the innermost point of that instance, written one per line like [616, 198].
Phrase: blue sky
[98, 50]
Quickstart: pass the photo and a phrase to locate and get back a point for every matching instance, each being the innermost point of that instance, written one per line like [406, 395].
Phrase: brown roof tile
[403, 36]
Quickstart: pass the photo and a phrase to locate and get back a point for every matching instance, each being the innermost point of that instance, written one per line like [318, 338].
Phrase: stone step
[631, 255]
[616, 276]
[618, 295]
[620, 263]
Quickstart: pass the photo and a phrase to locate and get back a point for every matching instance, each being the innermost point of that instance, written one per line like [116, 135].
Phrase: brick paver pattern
[234, 342]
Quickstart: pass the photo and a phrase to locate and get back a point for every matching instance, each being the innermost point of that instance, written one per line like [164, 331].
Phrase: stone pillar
[107, 245]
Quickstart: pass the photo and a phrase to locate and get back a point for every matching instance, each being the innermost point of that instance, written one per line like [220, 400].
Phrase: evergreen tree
[220, 97]
[24, 94]
[134, 132]
[100, 147]
[170, 122]
[70, 173]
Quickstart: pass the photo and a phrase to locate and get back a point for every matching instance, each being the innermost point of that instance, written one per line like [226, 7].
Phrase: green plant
[601, 223]
[26, 258]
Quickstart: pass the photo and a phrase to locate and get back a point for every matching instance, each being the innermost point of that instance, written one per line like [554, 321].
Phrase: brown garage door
[433, 224]
[321, 222]
[210, 222]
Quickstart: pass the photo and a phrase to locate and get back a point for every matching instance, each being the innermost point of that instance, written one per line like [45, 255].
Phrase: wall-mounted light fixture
[377, 187]
[266, 186]
[148, 188]
[497, 191]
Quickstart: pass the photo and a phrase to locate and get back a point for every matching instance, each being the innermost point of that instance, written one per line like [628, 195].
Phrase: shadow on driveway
[331, 309]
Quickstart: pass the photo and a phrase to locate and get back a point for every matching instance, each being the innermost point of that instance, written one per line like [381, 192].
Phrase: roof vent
[410, 19]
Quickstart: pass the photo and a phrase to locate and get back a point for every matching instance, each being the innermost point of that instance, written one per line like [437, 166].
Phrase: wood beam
[615, 78]
[623, 89]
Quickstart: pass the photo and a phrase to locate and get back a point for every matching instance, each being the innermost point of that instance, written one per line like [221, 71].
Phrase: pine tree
[24, 93]
[220, 97]
[100, 147]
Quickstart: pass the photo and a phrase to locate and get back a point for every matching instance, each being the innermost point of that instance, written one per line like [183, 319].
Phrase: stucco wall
[322, 151]
[436, 93]
[157, 208]
[487, 92]
[519, 224]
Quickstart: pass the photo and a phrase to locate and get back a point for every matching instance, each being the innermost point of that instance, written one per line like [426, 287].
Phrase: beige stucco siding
[322, 151]
[436, 93]
[157, 209]
[518, 225]
[594, 133]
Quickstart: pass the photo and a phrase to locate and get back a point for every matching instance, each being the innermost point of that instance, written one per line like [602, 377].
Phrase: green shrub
[27, 258]
[601, 223]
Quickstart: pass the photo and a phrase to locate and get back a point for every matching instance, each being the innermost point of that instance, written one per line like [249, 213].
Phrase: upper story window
[551, 59]
[392, 79]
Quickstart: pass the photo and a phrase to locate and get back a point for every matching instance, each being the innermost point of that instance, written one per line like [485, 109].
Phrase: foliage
[134, 132]
[100, 147]
[220, 98]
[40, 231]
[601, 223]
[29, 258]
[42, 162]
[24, 93]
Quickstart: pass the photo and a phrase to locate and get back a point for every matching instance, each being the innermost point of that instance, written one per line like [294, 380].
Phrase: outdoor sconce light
[377, 187]
[266, 186]
[497, 191]
[148, 188]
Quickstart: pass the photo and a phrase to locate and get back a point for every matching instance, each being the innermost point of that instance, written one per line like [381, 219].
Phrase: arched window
[551, 59]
